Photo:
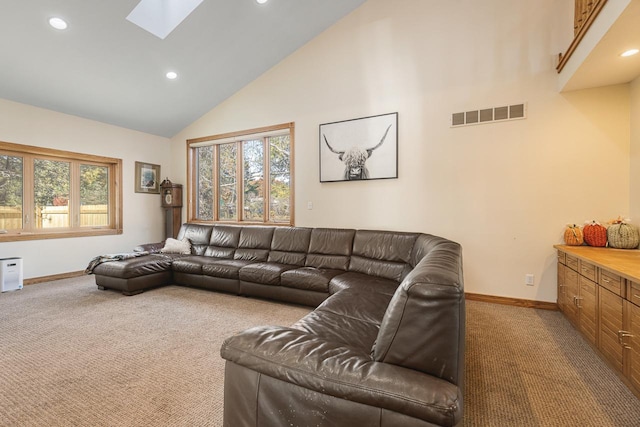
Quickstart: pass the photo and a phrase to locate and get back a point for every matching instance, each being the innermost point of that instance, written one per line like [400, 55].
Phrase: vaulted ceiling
[105, 68]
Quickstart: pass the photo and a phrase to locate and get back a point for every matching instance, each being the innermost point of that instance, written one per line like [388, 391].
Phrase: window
[47, 193]
[242, 177]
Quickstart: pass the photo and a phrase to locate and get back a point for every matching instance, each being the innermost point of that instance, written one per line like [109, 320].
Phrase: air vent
[488, 115]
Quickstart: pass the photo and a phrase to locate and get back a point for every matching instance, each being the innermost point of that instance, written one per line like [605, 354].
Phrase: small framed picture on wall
[147, 178]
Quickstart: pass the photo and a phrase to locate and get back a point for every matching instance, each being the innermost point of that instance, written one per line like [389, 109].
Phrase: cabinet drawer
[612, 282]
[571, 262]
[588, 270]
[633, 294]
[561, 257]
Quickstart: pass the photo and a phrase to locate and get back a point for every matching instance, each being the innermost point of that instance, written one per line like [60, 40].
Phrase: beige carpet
[527, 367]
[72, 355]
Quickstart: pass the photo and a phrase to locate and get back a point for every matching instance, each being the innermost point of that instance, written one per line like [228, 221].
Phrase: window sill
[16, 237]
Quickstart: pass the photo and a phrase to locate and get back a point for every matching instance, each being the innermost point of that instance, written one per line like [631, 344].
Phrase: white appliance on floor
[10, 274]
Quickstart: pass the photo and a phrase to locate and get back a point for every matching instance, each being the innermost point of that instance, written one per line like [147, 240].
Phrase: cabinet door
[611, 309]
[571, 293]
[588, 307]
[562, 294]
[632, 343]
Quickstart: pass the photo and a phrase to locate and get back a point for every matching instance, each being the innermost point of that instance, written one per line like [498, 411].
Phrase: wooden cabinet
[577, 295]
[611, 308]
[565, 274]
[599, 293]
[587, 303]
[631, 343]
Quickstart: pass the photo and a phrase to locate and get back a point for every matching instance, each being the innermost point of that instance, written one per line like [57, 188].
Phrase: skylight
[161, 17]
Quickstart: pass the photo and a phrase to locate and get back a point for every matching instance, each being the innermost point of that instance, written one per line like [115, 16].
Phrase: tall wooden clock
[172, 205]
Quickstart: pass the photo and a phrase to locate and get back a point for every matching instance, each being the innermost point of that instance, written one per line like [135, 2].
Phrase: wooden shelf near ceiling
[585, 13]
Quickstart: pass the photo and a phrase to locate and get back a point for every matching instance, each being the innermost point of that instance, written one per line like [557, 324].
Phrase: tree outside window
[246, 180]
[46, 193]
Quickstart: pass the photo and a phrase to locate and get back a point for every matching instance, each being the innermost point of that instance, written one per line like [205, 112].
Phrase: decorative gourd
[573, 235]
[623, 235]
[595, 234]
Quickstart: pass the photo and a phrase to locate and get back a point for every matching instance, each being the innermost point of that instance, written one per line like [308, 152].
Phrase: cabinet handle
[578, 299]
[621, 335]
[636, 296]
[606, 280]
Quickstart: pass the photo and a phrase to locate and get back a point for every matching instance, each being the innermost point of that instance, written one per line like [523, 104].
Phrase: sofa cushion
[191, 264]
[291, 239]
[256, 237]
[251, 254]
[330, 248]
[225, 268]
[331, 241]
[334, 262]
[384, 245]
[362, 282]
[254, 243]
[290, 258]
[174, 246]
[199, 236]
[134, 267]
[395, 271]
[349, 317]
[265, 273]
[290, 245]
[382, 253]
[224, 241]
[311, 278]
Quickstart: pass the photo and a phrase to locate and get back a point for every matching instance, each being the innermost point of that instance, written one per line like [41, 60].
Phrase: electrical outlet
[309, 205]
[528, 279]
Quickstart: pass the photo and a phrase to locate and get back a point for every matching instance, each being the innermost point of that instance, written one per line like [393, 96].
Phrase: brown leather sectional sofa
[384, 347]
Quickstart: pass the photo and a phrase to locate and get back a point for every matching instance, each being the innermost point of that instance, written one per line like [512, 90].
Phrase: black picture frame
[359, 149]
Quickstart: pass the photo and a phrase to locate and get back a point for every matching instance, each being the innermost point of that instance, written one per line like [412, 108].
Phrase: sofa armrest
[424, 325]
[152, 248]
[331, 368]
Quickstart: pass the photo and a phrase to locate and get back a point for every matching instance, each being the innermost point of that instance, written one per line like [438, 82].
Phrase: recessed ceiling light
[58, 23]
[172, 75]
[630, 52]
[261, 1]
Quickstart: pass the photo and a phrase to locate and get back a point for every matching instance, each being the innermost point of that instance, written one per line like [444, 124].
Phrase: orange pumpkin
[573, 235]
[595, 234]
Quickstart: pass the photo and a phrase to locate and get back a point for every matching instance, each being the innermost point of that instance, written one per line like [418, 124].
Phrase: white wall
[503, 190]
[143, 217]
[634, 188]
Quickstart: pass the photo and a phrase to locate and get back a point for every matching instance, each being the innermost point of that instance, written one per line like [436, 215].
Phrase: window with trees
[46, 193]
[242, 177]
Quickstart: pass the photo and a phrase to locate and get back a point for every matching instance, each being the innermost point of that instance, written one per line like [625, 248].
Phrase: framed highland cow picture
[359, 149]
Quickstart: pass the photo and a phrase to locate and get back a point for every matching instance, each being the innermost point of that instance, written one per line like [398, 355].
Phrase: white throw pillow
[173, 246]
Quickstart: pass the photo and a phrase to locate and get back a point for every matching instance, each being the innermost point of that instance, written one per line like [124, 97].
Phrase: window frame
[29, 230]
[238, 138]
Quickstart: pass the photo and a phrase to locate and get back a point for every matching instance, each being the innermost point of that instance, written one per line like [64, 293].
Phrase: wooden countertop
[625, 262]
